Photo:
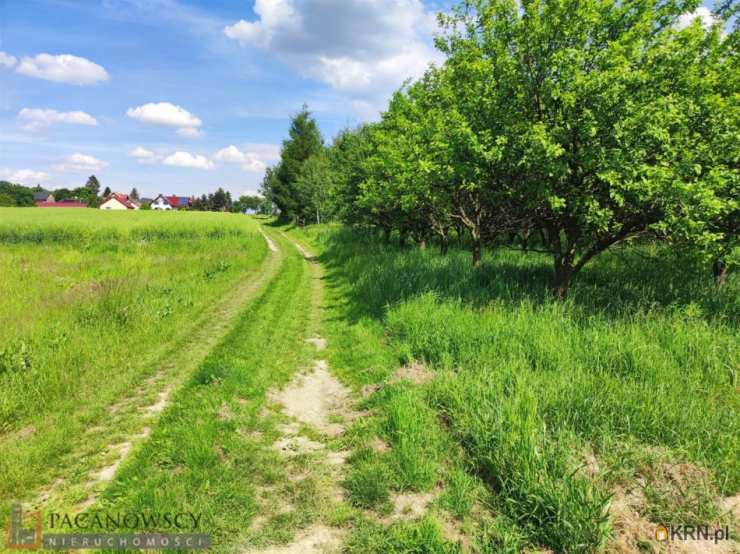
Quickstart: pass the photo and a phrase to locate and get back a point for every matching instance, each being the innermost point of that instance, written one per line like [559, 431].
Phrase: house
[160, 203]
[60, 204]
[42, 196]
[172, 202]
[118, 201]
[178, 202]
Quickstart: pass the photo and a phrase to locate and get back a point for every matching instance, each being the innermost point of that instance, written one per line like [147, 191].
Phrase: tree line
[560, 126]
[14, 195]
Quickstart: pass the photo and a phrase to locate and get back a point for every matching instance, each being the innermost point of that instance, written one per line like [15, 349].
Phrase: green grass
[91, 304]
[642, 357]
[198, 458]
[635, 374]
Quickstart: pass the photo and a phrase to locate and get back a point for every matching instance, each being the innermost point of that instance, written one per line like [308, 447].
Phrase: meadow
[148, 347]
[574, 426]
[92, 303]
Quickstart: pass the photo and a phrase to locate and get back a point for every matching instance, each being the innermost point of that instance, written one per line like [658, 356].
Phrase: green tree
[220, 201]
[347, 156]
[248, 202]
[16, 195]
[304, 140]
[93, 185]
[134, 194]
[313, 184]
[604, 98]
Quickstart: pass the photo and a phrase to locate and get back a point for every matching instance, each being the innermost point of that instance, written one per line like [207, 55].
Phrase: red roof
[123, 199]
[178, 201]
[62, 204]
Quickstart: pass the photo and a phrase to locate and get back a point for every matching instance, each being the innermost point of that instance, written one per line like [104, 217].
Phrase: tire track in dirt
[209, 330]
[314, 398]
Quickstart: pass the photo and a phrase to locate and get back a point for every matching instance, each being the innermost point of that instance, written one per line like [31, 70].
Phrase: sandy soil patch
[731, 504]
[160, 404]
[379, 446]
[270, 244]
[295, 446]
[318, 342]
[415, 372]
[313, 398]
[635, 533]
[409, 505]
[314, 540]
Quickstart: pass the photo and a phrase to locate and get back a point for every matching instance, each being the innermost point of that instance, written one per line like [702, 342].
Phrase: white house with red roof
[172, 202]
[118, 201]
[161, 203]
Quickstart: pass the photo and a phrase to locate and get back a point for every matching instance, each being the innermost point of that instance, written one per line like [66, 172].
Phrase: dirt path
[139, 411]
[318, 407]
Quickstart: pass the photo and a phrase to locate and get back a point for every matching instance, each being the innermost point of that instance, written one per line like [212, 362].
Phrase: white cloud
[363, 49]
[253, 158]
[80, 162]
[143, 155]
[34, 118]
[27, 177]
[702, 13]
[63, 68]
[168, 115]
[6, 60]
[190, 132]
[186, 159]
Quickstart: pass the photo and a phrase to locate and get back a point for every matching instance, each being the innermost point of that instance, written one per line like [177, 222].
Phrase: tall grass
[91, 304]
[645, 352]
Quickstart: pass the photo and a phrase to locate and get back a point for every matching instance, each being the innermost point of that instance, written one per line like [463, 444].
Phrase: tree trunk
[444, 244]
[477, 249]
[387, 235]
[402, 238]
[719, 269]
[422, 243]
[564, 272]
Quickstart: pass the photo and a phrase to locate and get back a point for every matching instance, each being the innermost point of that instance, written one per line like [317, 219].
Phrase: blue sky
[184, 96]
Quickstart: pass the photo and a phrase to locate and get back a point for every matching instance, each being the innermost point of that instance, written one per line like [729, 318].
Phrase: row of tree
[17, 195]
[221, 201]
[559, 125]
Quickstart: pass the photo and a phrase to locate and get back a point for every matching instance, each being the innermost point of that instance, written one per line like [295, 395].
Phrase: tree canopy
[562, 126]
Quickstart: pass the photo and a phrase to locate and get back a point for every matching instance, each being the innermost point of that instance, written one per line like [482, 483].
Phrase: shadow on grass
[617, 284]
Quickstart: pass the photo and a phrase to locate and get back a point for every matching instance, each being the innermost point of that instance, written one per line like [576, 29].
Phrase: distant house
[171, 202]
[60, 204]
[118, 201]
[42, 196]
[161, 203]
[179, 202]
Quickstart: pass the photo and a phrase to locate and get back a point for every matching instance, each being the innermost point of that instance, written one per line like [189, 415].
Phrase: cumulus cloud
[80, 163]
[702, 13]
[143, 155]
[33, 119]
[360, 48]
[6, 60]
[27, 177]
[186, 159]
[253, 158]
[62, 68]
[167, 115]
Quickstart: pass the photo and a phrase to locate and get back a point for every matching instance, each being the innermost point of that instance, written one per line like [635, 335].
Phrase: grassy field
[483, 416]
[573, 427]
[92, 303]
